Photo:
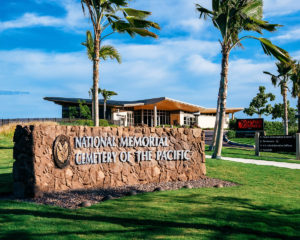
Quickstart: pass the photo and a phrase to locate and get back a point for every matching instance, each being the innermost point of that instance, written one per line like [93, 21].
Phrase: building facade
[151, 112]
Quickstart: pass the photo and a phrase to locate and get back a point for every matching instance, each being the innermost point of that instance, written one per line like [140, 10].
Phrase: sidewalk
[262, 162]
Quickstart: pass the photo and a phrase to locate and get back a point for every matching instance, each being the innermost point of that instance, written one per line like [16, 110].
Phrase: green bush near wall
[274, 128]
[231, 134]
[85, 122]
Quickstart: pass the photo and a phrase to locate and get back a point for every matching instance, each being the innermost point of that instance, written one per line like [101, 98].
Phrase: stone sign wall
[59, 158]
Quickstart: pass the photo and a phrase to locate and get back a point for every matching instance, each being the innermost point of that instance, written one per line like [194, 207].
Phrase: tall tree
[281, 80]
[295, 77]
[108, 17]
[231, 18]
[106, 96]
[106, 51]
[259, 105]
[278, 111]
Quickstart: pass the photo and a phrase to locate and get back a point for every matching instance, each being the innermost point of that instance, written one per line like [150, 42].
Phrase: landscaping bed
[79, 198]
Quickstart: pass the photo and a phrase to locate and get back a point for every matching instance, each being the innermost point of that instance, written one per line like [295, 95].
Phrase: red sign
[250, 124]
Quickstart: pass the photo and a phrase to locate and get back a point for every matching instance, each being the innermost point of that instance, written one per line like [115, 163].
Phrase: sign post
[257, 144]
[298, 146]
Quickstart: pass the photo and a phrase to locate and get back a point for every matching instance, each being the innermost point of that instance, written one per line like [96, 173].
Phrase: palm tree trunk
[223, 98]
[286, 127]
[214, 138]
[96, 77]
[104, 109]
[93, 115]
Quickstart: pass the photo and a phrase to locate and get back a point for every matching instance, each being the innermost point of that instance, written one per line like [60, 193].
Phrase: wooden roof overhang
[170, 105]
[228, 110]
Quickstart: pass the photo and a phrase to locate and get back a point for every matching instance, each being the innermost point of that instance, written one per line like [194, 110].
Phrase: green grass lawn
[250, 154]
[6, 164]
[249, 141]
[266, 205]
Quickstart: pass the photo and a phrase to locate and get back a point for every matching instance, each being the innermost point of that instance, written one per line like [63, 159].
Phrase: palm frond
[216, 5]
[119, 3]
[142, 32]
[140, 23]
[295, 77]
[274, 79]
[204, 12]
[253, 8]
[108, 51]
[106, 94]
[273, 50]
[136, 13]
[89, 44]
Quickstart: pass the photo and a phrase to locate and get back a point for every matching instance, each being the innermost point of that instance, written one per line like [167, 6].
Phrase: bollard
[298, 146]
[257, 143]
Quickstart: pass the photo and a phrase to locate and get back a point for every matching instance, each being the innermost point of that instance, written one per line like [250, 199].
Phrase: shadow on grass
[245, 219]
[5, 147]
[6, 182]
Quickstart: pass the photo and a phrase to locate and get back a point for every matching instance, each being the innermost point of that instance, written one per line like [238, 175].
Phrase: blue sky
[41, 55]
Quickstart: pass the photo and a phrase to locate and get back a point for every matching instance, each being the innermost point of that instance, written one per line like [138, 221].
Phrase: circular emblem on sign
[62, 151]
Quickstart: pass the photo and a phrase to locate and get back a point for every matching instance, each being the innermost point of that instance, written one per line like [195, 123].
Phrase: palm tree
[106, 51]
[108, 17]
[106, 96]
[231, 17]
[295, 77]
[284, 71]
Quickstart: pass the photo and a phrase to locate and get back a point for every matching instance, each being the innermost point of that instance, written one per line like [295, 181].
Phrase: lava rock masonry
[170, 154]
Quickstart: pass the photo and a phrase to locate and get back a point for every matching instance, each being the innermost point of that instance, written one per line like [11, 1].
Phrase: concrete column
[232, 116]
[142, 122]
[155, 116]
[298, 146]
[257, 143]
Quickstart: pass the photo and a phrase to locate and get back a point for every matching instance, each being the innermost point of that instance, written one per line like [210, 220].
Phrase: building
[152, 112]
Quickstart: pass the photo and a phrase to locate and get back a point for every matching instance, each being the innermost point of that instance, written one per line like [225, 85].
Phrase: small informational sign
[245, 134]
[277, 143]
[250, 124]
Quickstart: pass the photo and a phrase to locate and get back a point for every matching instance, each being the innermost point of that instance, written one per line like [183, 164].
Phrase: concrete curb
[262, 162]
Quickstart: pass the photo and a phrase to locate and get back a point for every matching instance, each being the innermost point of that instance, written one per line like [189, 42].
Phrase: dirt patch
[76, 199]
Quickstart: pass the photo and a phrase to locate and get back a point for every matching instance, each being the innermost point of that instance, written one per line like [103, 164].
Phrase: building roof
[162, 103]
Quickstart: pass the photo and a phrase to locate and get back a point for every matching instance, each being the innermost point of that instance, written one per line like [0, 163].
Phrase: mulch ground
[85, 198]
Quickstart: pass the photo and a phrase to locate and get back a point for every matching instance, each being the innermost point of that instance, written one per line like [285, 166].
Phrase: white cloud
[148, 70]
[179, 14]
[72, 20]
[243, 71]
[201, 66]
[280, 7]
[193, 25]
[289, 36]
[30, 20]
[182, 69]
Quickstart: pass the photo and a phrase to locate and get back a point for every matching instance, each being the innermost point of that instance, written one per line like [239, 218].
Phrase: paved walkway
[262, 162]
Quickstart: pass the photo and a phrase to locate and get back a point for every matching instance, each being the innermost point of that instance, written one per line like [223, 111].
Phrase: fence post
[298, 146]
[257, 143]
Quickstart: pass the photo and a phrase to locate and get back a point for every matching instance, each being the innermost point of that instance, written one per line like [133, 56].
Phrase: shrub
[85, 122]
[231, 134]
[103, 123]
[232, 124]
[274, 128]
[293, 130]
[79, 122]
